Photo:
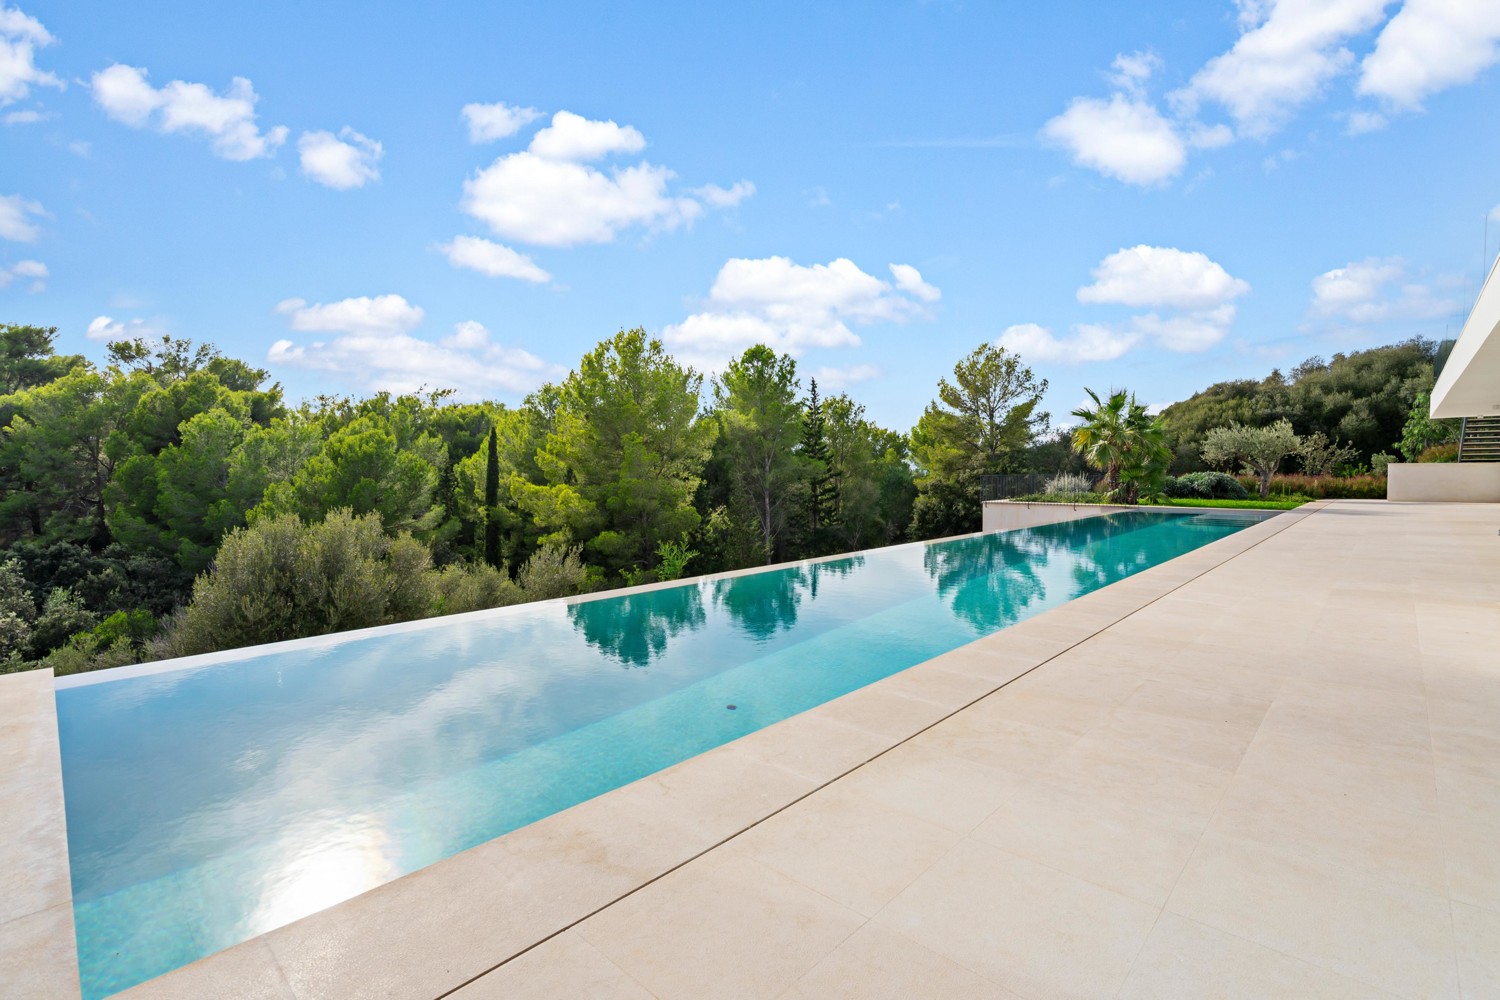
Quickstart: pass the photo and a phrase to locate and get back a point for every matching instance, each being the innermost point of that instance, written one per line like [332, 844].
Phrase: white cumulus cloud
[17, 218]
[1431, 45]
[842, 378]
[489, 122]
[550, 195]
[1161, 276]
[1187, 332]
[791, 307]
[32, 269]
[493, 259]
[20, 36]
[1088, 342]
[374, 348]
[721, 197]
[227, 120]
[909, 280]
[103, 329]
[382, 315]
[1286, 54]
[1375, 290]
[343, 161]
[1124, 137]
[576, 138]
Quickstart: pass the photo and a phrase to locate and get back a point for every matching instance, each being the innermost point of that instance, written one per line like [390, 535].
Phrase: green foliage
[1366, 487]
[372, 465]
[553, 570]
[760, 424]
[1362, 399]
[1204, 486]
[822, 499]
[281, 578]
[1439, 453]
[492, 500]
[674, 558]
[625, 454]
[1120, 439]
[1261, 449]
[1421, 432]
[1380, 463]
[1320, 456]
[28, 359]
[62, 614]
[982, 422]
[475, 587]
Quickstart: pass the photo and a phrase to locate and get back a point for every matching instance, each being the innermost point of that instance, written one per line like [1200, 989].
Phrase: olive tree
[1261, 449]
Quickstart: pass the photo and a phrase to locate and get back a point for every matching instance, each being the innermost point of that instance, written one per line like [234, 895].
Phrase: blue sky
[474, 194]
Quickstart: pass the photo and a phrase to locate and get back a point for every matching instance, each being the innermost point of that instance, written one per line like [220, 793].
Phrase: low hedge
[1321, 487]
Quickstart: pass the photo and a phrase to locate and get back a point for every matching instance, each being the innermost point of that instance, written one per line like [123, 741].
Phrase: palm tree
[1103, 437]
[1120, 438]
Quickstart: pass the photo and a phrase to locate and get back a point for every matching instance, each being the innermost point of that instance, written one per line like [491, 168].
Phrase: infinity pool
[215, 799]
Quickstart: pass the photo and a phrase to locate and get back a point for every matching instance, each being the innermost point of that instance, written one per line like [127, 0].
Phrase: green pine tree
[491, 501]
[823, 478]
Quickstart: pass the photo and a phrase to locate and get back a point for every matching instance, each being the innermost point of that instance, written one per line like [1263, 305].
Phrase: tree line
[171, 501]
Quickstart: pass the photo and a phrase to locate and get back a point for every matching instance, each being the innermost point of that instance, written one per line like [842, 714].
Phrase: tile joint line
[839, 777]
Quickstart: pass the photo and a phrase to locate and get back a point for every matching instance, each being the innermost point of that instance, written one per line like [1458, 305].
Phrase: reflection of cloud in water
[634, 628]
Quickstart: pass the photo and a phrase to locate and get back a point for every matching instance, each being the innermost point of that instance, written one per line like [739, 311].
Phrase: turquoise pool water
[215, 802]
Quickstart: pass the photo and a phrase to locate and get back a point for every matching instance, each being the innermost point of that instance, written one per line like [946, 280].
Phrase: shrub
[475, 587]
[552, 571]
[1205, 486]
[1369, 487]
[282, 579]
[1067, 483]
[1380, 463]
[1439, 453]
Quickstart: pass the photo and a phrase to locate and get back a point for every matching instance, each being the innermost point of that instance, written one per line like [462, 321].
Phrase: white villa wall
[1444, 482]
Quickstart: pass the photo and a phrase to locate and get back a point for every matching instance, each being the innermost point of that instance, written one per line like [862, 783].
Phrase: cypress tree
[822, 485]
[491, 501]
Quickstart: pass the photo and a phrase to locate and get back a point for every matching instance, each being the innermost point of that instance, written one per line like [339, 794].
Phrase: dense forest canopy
[170, 500]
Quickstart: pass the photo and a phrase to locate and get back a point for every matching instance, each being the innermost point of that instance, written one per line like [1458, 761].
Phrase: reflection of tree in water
[988, 579]
[831, 569]
[634, 628]
[1102, 557]
[765, 603]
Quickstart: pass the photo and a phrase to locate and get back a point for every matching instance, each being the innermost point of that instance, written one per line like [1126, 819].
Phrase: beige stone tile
[1048, 711]
[1036, 931]
[896, 716]
[879, 964]
[932, 682]
[38, 957]
[1183, 958]
[813, 745]
[931, 784]
[995, 741]
[1478, 934]
[1199, 702]
[1356, 829]
[245, 972]
[852, 849]
[1197, 741]
[1116, 842]
[1354, 716]
[34, 850]
[1181, 788]
[1376, 932]
[1472, 855]
[567, 966]
[1404, 777]
[731, 929]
